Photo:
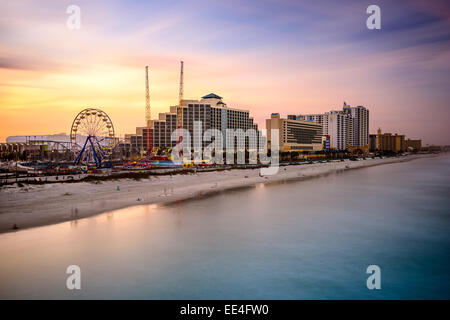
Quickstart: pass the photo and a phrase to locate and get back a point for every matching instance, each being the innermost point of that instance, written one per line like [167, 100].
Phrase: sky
[291, 57]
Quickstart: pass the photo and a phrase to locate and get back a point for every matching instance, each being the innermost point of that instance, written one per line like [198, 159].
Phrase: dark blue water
[311, 239]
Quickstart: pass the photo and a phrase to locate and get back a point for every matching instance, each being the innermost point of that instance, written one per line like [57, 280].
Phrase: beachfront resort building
[213, 113]
[346, 128]
[413, 144]
[359, 130]
[388, 142]
[293, 134]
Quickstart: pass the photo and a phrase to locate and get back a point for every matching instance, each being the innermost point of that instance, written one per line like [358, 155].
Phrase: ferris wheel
[95, 130]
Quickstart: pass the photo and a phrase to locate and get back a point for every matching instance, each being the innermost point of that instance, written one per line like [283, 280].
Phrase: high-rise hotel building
[360, 127]
[349, 127]
[213, 113]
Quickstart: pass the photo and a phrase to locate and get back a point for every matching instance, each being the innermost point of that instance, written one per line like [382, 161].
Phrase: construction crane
[147, 113]
[180, 113]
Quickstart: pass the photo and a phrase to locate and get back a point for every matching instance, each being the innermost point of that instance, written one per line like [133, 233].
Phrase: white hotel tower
[349, 127]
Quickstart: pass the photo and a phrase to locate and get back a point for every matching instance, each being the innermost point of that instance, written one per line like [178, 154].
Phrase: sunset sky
[264, 56]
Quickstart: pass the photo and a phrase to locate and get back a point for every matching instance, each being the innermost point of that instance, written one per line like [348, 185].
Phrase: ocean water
[310, 239]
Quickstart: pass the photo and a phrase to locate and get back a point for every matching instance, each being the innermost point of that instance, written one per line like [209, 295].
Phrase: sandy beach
[37, 205]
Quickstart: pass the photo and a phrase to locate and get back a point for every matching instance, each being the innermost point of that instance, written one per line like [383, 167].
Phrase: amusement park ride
[92, 136]
[97, 127]
[180, 113]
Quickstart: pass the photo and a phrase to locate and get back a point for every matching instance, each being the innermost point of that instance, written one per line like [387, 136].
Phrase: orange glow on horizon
[49, 73]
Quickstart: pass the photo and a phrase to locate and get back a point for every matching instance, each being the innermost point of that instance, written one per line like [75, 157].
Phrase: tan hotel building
[294, 135]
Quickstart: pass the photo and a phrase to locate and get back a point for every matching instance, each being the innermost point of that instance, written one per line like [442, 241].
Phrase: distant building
[162, 129]
[346, 128]
[136, 143]
[39, 144]
[61, 137]
[339, 126]
[359, 131]
[373, 142]
[20, 148]
[388, 142]
[294, 135]
[413, 145]
[51, 141]
[434, 148]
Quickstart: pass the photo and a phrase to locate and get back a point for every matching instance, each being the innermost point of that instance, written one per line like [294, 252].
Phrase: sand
[37, 205]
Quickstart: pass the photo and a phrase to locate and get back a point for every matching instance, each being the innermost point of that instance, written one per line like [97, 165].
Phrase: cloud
[287, 56]
[30, 63]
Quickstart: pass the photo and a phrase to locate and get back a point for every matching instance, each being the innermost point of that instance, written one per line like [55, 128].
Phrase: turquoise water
[311, 239]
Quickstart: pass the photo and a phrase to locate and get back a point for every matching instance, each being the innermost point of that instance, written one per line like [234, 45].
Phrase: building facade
[210, 110]
[294, 135]
[346, 128]
[359, 131]
[213, 113]
[373, 142]
[137, 143]
[413, 145]
[388, 142]
[338, 125]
